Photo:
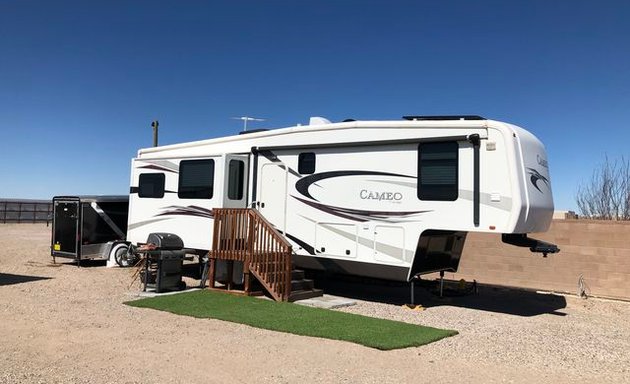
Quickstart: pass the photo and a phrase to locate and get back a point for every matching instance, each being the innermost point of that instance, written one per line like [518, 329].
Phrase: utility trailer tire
[120, 254]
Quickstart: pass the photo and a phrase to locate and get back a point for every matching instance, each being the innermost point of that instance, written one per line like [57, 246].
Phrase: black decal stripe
[175, 213]
[308, 248]
[358, 214]
[535, 176]
[191, 210]
[304, 183]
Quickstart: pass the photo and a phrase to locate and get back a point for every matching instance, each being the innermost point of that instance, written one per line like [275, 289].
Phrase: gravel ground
[60, 323]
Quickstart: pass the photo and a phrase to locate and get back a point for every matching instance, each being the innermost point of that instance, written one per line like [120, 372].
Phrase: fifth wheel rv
[384, 199]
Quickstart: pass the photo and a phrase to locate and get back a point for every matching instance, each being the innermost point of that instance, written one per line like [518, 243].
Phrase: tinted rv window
[151, 185]
[306, 163]
[236, 176]
[437, 171]
[196, 179]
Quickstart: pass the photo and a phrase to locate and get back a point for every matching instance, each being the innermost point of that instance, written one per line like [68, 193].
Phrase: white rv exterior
[387, 199]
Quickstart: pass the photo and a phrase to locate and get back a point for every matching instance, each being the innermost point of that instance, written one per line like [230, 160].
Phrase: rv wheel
[121, 255]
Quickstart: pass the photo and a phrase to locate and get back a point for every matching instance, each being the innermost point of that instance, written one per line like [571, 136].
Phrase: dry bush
[606, 196]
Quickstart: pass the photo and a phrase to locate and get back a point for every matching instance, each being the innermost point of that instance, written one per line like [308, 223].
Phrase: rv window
[437, 171]
[306, 163]
[151, 185]
[196, 179]
[236, 175]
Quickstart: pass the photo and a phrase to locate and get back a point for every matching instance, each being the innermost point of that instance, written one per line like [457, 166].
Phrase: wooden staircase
[244, 235]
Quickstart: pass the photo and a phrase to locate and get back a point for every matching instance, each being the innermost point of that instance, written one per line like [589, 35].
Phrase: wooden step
[297, 274]
[305, 294]
[302, 285]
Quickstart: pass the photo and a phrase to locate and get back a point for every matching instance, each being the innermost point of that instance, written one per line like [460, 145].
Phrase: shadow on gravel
[73, 263]
[10, 279]
[192, 270]
[492, 299]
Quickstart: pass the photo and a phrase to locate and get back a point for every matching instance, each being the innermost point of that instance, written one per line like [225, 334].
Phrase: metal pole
[155, 124]
[441, 283]
[413, 303]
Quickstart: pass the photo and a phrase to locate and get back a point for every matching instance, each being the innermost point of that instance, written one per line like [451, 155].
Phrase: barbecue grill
[163, 262]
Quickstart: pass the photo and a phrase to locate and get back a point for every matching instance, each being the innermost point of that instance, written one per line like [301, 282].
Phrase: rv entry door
[235, 185]
[273, 193]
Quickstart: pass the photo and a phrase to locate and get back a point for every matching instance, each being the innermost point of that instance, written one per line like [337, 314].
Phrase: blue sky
[80, 81]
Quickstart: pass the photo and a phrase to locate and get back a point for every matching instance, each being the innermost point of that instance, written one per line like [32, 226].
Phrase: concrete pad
[327, 301]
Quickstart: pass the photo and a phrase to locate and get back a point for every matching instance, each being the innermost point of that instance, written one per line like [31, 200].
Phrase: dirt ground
[60, 324]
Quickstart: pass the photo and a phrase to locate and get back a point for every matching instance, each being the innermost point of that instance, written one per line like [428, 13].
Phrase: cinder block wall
[598, 250]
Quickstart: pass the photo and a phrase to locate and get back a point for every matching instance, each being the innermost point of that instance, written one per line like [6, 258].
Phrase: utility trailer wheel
[120, 253]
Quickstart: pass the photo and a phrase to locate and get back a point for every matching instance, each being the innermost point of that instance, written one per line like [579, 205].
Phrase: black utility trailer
[90, 227]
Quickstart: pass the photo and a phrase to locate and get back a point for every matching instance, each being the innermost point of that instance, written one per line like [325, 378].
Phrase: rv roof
[371, 124]
[448, 117]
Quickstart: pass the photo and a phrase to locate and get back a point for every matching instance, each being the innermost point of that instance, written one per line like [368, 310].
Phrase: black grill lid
[165, 241]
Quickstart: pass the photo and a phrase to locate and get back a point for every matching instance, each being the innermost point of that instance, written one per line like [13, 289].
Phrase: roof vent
[449, 117]
[252, 131]
[317, 120]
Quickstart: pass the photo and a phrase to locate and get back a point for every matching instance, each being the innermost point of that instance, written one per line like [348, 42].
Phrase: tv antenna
[246, 119]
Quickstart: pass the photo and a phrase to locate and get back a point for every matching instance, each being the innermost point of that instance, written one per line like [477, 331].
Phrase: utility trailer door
[65, 228]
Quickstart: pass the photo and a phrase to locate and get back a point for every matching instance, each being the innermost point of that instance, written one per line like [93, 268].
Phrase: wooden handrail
[243, 234]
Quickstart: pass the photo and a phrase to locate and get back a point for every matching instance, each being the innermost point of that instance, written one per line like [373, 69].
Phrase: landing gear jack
[413, 305]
